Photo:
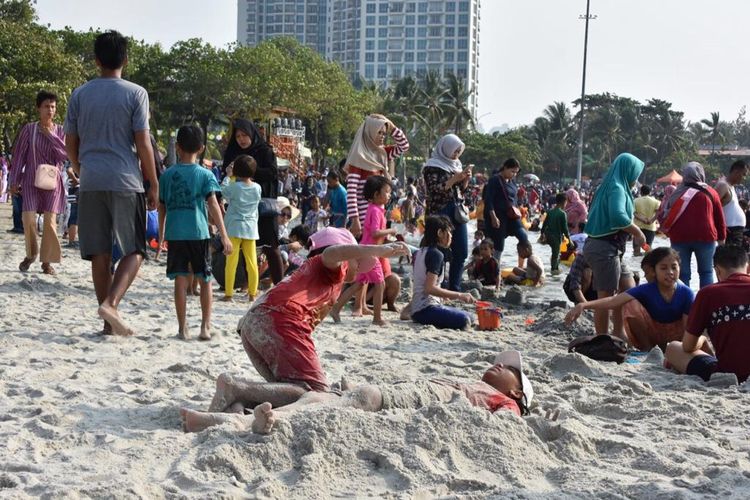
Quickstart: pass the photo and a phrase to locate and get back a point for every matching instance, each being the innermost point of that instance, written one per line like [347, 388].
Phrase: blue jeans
[442, 317]
[17, 210]
[704, 254]
[459, 249]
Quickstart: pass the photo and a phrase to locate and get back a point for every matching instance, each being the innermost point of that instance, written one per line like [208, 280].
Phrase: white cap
[513, 359]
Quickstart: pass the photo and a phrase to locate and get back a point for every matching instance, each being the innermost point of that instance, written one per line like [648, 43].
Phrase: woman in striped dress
[369, 156]
[39, 143]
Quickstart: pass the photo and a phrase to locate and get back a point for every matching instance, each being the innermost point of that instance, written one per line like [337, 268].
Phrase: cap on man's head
[513, 360]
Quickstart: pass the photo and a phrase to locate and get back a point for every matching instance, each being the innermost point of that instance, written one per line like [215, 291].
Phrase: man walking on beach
[107, 133]
[733, 213]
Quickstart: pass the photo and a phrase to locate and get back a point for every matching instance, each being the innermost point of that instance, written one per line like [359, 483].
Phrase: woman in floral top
[445, 180]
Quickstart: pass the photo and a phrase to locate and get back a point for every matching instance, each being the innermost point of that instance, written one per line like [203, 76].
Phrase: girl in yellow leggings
[241, 221]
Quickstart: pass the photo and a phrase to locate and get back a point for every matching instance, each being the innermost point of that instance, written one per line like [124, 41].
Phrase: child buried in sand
[504, 386]
[277, 330]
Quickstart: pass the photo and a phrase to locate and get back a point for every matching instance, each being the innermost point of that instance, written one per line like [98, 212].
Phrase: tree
[488, 152]
[713, 126]
[457, 112]
[32, 58]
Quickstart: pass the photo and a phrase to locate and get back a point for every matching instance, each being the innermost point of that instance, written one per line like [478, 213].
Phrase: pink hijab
[668, 191]
[576, 210]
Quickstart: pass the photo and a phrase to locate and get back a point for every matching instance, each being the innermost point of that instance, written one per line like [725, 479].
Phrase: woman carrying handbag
[445, 181]
[36, 169]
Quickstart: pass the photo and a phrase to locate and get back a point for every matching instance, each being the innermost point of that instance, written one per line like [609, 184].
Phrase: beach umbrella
[671, 178]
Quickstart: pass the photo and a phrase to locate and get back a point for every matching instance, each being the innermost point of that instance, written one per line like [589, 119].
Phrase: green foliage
[488, 152]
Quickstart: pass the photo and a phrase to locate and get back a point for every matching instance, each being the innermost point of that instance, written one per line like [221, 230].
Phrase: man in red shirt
[504, 386]
[722, 312]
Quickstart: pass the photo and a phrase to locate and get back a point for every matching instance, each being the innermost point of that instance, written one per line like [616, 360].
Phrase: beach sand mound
[86, 416]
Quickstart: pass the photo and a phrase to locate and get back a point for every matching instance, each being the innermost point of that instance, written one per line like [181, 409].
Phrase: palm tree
[456, 100]
[697, 133]
[714, 129]
[558, 115]
[432, 106]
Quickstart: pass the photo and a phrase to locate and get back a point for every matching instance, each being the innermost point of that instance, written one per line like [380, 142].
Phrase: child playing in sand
[534, 270]
[377, 192]
[720, 312]
[554, 228]
[184, 191]
[485, 268]
[504, 386]
[653, 313]
[277, 330]
[429, 268]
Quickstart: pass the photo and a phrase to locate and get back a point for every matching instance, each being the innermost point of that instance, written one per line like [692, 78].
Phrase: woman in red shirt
[694, 222]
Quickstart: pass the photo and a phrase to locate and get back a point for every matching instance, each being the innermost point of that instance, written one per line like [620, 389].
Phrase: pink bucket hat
[331, 236]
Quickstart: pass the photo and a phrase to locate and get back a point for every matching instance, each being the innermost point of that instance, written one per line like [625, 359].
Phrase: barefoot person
[106, 134]
[277, 330]
[504, 386]
[184, 192]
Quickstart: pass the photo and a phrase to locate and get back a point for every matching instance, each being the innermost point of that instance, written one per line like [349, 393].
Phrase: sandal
[25, 264]
[48, 269]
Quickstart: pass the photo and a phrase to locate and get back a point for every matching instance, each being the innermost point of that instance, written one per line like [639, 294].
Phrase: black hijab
[266, 173]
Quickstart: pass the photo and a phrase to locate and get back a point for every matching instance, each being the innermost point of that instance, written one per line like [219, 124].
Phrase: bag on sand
[600, 347]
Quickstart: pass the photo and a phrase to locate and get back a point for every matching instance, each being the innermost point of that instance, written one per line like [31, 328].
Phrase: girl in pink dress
[377, 191]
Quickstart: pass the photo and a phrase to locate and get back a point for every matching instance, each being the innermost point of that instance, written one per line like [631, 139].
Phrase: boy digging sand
[184, 191]
[504, 386]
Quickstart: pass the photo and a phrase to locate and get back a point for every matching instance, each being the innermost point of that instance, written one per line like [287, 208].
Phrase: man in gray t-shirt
[108, 144]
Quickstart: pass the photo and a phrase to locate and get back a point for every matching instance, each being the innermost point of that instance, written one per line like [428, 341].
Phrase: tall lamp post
[587, 17]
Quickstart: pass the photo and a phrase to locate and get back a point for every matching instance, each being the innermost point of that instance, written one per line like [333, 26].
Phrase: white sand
[85, 416]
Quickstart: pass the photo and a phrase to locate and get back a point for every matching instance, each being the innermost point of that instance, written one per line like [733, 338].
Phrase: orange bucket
[488, 315]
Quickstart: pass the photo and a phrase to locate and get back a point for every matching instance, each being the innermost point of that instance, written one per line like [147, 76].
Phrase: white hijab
[441, 155]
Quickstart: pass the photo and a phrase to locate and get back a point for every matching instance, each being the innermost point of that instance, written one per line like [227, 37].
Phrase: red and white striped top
[356, 205]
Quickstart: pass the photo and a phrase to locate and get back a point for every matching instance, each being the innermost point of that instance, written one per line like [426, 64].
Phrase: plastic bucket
[488, 316]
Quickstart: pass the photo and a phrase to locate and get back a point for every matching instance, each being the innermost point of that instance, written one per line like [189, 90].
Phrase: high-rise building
[305, 20]
[379, 40]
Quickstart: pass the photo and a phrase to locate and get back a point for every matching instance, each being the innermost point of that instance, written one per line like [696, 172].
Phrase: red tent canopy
[671, 178]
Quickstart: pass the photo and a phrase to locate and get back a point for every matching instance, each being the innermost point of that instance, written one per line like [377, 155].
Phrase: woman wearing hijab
[500, 198]
[446, 180]
[368, 156]
[575, 210]
[609, 223]
[661, 214]
[693, 219]
[246, 140]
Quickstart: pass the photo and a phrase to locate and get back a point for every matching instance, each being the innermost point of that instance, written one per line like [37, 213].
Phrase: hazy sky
[690, 52]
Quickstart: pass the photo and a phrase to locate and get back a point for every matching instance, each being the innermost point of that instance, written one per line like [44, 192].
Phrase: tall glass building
[304, 20]
[379, 40]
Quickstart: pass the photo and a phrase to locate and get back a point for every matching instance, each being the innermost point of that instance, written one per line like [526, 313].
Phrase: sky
[692, 53]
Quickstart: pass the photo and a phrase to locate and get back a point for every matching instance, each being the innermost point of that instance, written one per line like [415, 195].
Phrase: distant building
[377, 40]
[305, 20]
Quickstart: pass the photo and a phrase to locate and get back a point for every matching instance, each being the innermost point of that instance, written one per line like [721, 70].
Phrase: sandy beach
[89, 416]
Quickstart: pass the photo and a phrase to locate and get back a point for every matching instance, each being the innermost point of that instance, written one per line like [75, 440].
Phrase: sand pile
[85, 416]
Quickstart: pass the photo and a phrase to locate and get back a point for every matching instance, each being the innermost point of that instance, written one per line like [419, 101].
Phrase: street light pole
[583, 92]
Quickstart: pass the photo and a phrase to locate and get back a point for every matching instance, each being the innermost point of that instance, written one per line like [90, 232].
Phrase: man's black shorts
[185, 257]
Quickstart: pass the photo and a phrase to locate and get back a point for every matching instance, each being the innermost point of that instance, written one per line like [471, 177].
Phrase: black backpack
[600, 347]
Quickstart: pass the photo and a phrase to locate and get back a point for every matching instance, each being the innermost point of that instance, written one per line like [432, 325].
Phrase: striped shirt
[356, 205]
[49, 149]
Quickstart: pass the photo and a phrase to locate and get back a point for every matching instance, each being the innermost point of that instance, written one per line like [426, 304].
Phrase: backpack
[600, 347]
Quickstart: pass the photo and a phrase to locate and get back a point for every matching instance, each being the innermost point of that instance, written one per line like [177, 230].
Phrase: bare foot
[110, 315]
[264, 419]
[345, 384]
[224, 395]
[196, 421]
[227, 298]
[391, 307]
[250, 298]
[367, 311]
[183, 333]
[106, 329]
[205, 333]
[335, 315]
[379, 322]
[357, 312]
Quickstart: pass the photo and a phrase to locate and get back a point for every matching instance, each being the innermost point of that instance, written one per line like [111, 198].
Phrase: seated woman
[654, 313]
[429, 266]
